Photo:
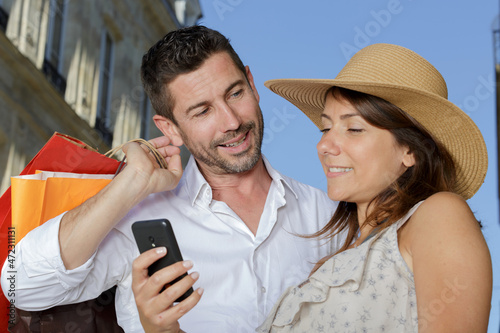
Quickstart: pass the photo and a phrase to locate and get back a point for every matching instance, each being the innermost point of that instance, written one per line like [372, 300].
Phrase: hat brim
[443, 119]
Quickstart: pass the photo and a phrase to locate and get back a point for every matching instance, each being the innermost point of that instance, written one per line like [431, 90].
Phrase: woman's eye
[355, 130]
[324, 130]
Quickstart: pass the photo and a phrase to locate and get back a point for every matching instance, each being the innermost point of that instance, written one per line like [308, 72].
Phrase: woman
[401, 160]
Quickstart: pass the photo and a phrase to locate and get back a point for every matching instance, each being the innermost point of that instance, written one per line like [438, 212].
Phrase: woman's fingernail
[200, 291]
[195, 275]
[187, 263]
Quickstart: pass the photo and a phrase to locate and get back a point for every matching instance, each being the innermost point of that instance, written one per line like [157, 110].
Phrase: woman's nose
[328, 144]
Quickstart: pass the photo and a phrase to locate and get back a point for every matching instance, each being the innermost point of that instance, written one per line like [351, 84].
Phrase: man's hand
[83, 228]
[144, 170]
[156, 310]
[164, 147]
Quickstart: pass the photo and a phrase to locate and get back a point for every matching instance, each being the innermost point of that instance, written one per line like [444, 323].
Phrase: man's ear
[251, 82]
[169, 129]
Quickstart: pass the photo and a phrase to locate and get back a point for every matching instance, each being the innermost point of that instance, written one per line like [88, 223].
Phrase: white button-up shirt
[243, 274]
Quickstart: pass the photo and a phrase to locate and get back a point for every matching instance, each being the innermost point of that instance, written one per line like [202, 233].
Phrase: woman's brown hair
[434, 169]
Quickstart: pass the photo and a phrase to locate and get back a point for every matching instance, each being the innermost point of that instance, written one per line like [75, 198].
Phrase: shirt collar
[278, 178]
[198, 188]
[194, 182]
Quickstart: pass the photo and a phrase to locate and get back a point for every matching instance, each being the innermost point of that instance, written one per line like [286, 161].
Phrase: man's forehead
[216, 76]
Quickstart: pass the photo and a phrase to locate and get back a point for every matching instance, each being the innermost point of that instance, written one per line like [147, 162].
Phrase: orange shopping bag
[44, 195]
[60, 153]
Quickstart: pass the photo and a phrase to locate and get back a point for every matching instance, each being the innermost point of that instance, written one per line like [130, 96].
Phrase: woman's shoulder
[445, 207]
[444, 198]
[442, 233]
[443, 218]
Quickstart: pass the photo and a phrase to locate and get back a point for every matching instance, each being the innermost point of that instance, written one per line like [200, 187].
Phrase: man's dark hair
[179, 52]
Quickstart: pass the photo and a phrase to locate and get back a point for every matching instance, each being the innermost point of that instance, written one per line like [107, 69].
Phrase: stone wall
[32, 108]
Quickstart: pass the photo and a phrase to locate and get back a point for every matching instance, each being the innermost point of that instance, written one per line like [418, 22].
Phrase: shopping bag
[60, 153]
[38, 198]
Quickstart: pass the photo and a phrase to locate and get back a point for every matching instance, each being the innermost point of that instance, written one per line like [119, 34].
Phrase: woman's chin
[335, 196]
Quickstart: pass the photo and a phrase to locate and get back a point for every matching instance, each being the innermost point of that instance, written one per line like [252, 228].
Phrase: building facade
[74, 67]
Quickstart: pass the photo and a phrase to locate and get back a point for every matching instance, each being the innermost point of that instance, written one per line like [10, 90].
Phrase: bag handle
[156, 154]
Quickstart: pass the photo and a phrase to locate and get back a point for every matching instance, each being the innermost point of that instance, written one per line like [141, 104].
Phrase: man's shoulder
[307, 198]
[303, 188]
[299, 188]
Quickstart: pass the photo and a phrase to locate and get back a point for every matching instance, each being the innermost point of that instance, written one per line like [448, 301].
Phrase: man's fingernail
[187, 263]
[161, 250]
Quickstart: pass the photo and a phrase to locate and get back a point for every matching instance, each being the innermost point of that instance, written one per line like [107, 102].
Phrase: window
[104, 97]
[4, 17]
[145, 117]
[53, 49]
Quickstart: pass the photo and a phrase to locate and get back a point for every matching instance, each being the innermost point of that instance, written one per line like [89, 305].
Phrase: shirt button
[263, 290]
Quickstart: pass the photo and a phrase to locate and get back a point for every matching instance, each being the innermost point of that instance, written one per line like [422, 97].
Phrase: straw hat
[405, 79]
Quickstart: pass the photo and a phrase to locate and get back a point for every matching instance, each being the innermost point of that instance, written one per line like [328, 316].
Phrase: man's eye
[201, 113]
[237, 93]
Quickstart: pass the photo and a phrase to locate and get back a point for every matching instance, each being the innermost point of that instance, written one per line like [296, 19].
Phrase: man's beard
[245, 160]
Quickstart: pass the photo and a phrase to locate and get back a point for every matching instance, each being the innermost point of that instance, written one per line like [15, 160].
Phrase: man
[235, 217]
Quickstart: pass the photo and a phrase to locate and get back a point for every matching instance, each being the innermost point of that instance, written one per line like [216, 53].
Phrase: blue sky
[315, 38]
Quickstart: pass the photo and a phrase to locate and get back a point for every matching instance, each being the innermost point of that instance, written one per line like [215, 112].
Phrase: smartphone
[154, 233]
